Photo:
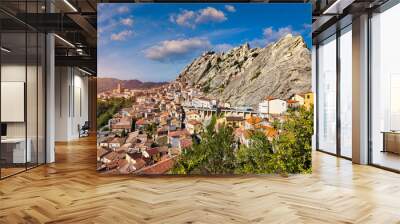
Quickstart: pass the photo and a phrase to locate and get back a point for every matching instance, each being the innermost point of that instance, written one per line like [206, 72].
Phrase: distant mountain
[244, 76]
[106, 84]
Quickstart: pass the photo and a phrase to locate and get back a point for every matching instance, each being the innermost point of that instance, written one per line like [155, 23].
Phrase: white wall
[71, 102]
[277, 106]
[62, 81]
[12, 73]
[33, 126]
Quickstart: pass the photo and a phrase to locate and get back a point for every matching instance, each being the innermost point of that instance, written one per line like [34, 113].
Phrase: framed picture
[204, 89]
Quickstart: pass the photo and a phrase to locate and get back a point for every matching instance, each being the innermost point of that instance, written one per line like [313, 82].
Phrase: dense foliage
[256, 158]
[214, 155]
[218, 153]
[106, 109]
[151, 130]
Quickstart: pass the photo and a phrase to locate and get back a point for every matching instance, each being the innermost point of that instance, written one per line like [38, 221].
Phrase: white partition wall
[71, 102]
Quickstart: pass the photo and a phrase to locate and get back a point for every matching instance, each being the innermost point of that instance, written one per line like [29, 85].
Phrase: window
[346, 92]
[327, 95]
[385, 89]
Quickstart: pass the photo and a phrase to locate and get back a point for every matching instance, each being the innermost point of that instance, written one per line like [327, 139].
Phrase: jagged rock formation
[243, 76]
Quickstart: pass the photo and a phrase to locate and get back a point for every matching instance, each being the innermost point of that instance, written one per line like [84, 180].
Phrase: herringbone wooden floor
[70, 191]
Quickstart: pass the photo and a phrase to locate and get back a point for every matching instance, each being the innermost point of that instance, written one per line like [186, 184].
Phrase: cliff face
[244, 76]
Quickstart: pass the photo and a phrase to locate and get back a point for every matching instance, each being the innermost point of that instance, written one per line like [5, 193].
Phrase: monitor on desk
[3, 130]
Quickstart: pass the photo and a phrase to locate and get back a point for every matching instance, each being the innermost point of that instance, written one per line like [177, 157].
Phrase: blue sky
[154, 42]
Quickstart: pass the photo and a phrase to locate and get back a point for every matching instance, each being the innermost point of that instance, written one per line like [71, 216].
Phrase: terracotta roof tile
[194, 122]
[159, 168]
[253, 120]
[178, 133]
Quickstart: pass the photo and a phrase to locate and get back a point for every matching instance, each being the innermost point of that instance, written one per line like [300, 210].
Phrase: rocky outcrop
[243, 76]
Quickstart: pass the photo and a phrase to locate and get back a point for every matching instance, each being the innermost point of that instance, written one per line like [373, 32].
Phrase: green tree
[213, 155]
[276, 124]
[123, 133]
[106, 109]
[292, 149]
[150, 130]
[290, 152]
[133, 124]
[256, 158]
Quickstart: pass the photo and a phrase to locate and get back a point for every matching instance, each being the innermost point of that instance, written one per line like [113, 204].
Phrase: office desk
[391, 141]
[13, 150]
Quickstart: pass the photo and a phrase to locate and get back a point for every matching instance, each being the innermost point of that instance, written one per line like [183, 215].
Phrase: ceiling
[73, 21]
[329, 15]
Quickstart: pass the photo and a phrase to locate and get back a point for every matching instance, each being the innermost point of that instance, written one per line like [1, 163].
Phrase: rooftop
[253, 120]
[179, 133]
[159, 168]
[234, 118]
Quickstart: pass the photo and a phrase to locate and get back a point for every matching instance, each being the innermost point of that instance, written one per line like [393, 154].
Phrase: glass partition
[327, 95]
[41, 96]
[14, 155]
[31, 98]
[346, 92]
[385, 89]
[22, 77]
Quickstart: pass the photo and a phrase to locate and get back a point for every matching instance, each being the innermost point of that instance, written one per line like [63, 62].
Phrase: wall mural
[204, 89]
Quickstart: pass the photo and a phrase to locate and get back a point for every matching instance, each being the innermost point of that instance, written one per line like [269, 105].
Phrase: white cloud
[273, 35]
[185, 18]
[121, 35]
[307, 26]
[210, 14]
[270, 34]
[175, 50]
[230, 8]
[123, 9]
[108, 27]
[127, 21]
[190, 18]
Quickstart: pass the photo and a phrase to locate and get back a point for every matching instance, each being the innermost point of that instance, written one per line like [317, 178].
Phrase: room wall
[14, 73]
[33, 127]
[71, 102]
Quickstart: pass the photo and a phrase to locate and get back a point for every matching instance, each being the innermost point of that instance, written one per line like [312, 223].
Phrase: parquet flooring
[70, 191]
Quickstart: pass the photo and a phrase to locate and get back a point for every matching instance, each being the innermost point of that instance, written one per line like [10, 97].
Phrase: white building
[272, 106]
[192, 115]
[202, 103]
[299, 98]
[277, 106]
[263, 107]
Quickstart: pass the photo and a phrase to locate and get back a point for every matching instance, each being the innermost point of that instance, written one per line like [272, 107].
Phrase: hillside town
[146, 137]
